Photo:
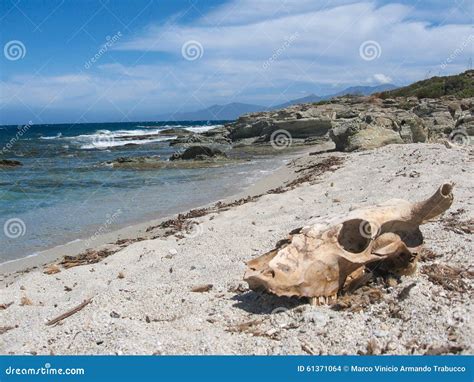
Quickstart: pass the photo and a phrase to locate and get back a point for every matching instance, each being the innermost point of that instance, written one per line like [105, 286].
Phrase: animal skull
[319, 260]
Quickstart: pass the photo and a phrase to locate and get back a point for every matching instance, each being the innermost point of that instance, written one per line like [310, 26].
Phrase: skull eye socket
[352, 237]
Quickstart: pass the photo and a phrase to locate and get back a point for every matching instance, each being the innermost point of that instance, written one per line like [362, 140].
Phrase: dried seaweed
[454, 224]
[358, 301]
[252, 328]
[311, 172]
[6, 305]
[4, 329]
[88, 257]
[450, 278]
[425, 254]
[445, 349]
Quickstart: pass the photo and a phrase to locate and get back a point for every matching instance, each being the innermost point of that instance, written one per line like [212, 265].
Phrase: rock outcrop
[359, 123]
[403, 115]
[6, 163]
[198, 153]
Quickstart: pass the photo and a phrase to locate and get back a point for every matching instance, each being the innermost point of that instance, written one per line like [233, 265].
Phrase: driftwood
[69, 312]
[51, 269]
[4, 329]
[6, 305]
[202, 288]
[335, 254]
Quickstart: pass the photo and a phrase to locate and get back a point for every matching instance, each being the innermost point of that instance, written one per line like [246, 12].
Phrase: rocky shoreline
[351, 123]
[355, 123]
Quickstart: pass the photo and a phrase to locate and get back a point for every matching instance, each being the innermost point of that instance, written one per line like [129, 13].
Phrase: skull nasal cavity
[353, 236]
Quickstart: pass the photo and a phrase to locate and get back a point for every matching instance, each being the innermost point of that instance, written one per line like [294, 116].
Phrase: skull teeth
[323, 300]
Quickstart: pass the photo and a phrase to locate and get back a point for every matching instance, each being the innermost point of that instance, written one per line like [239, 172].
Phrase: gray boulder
[10, 163]
[298, 128]
[198, 153]
[357, 135]
[176, 131]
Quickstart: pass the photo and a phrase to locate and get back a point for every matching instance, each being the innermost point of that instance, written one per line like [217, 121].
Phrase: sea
[65, 190]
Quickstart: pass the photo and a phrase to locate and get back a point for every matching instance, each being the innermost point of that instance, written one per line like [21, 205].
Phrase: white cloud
[382, 78]
[239, 37]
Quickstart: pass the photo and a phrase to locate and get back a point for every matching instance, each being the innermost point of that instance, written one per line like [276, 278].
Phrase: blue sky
[92, 61]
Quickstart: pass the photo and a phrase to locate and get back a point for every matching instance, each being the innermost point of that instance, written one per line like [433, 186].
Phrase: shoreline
[11, 269]
[184, 294]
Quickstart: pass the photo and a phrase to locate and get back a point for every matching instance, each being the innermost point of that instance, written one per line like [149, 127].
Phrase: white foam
[102, 139]
[20, 259]
[59, 135]
[106, 142]
[201, 129]
[107, 134]
[159, 127]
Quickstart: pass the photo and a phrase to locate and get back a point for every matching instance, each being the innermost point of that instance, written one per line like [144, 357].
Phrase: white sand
[152, 311]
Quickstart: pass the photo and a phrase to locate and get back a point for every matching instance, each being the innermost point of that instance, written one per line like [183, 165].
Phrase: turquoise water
[64, 191]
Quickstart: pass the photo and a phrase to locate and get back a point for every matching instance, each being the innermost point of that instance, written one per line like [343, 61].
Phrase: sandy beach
[180, 291]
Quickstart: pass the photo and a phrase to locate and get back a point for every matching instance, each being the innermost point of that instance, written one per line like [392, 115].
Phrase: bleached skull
[319, 260]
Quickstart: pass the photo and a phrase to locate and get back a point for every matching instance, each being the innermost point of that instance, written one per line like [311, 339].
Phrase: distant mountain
[234, 110]
[354, 90]
[362, 90]
[460, 85]
[229, 111]
[307, 99]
